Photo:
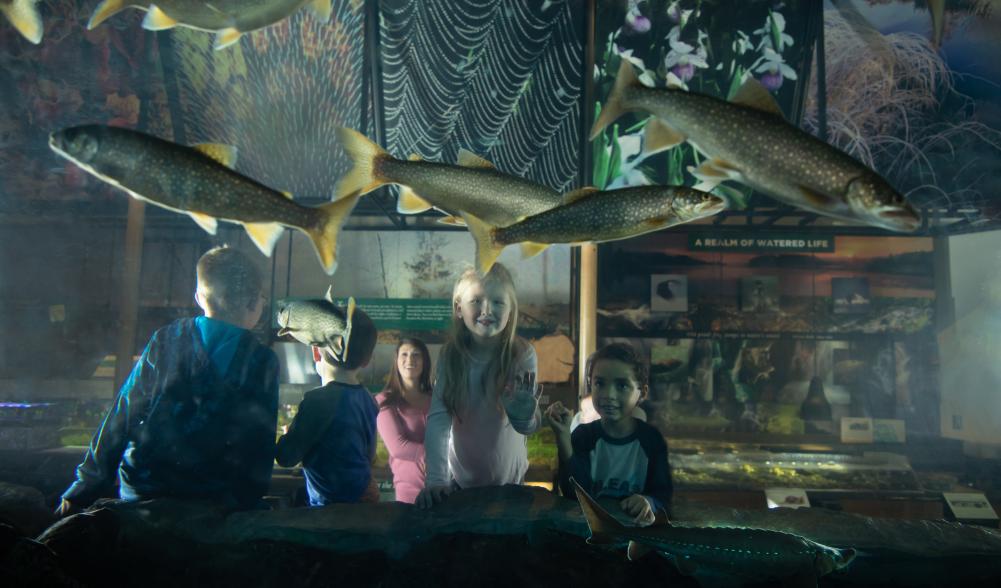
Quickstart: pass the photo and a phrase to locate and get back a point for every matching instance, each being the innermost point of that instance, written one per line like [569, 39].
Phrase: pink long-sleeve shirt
[402, 427]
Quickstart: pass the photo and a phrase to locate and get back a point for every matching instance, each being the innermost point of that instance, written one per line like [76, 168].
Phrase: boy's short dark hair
[229, 281]
[361, 344]
[623, 352]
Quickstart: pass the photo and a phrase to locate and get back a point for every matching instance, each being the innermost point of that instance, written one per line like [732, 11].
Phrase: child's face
[484, 309]
[410, 362]
[614, 389]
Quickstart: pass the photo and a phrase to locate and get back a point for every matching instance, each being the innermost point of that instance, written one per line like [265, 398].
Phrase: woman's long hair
[456, 353]
[394, 388]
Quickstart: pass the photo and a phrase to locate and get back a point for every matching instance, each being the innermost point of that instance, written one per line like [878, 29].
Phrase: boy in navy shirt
[333, 433]
[196, 417]
[617, 455]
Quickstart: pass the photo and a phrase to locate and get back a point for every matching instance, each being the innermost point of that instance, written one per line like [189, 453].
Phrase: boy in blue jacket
[196, 417]
[333, 433]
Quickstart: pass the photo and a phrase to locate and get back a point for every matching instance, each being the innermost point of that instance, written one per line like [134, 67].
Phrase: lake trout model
[198, 181]
[747, 554]
[749, 141]
[229, 19]
[318, 322]
[473, 186]
[24, 16]
[592, 216]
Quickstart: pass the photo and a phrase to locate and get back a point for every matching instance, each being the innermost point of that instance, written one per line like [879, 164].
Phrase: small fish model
[229, 19]
[318, 322]
[24, 15]
[198, 181]
[747, 554]
[749, 141]
[589, 215]
[474, 186]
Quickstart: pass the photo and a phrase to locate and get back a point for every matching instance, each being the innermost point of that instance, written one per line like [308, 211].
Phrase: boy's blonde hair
[456, 352]
[229, 282]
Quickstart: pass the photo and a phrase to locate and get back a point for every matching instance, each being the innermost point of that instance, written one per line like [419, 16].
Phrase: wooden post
[587, 313]
[129, 310]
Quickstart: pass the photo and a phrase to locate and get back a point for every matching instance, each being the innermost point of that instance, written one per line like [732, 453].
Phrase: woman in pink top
[403, 416]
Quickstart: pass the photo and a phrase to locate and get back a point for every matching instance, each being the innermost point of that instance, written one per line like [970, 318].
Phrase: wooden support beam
[587, 317]
[128, 315]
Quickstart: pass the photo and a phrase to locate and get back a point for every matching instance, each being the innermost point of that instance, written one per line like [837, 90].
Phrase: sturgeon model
[474, 186]
[749, 141]
[199, 181]
[596, 217]
[747, 554]
[24, 16]
[229, 19]
[318, 322]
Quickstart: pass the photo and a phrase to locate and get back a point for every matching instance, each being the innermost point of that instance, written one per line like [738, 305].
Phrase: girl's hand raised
[522, 399]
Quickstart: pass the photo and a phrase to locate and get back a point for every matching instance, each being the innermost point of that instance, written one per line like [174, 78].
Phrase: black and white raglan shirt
[620, 467]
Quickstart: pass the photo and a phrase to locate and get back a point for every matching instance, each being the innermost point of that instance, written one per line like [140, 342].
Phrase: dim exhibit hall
[434, 293]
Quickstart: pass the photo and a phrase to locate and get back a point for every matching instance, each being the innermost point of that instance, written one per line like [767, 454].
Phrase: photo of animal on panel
[668, 293]
[850, 295]
[759, 294]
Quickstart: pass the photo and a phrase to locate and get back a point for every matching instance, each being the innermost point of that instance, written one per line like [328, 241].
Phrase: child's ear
[644, 391]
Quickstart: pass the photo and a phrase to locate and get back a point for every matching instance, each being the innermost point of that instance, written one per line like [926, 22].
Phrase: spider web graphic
[277, 96]
[502, 79]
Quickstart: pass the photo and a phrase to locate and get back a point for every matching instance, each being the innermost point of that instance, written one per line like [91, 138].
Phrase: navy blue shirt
[620, 467]
[195, 419]
[333, 435]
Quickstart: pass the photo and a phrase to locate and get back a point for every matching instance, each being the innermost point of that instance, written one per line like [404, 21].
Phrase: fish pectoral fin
[819, 199]
[264, 235]
[578, 194]
[659, 136]
[529, 249]
[452, 221]
[226, 37]
[24, 15]
[469, 159]
[321, 9]
[716, 169]
[637, 550]
[415, 157]
[209, 223]
[157, 20]
[220, 152]
[410, 203]
[104, 11]
[658, 222]
[754, 95]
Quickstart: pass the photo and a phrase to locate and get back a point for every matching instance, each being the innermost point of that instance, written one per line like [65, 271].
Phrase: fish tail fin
[365, 154]
[104, 11]
[324, 233]
[615, 105]
[24, 16]
[487, 248]
[602, 524]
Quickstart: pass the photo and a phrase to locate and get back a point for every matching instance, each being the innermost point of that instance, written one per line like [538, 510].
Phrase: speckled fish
[198, 181]
[592, 216]
[748, 140]
[318, 322]
[229, 19]
[24, 16]
[749, 554]
[473, 186]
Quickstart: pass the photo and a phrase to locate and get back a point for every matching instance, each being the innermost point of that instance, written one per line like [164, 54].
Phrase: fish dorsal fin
[329, 296]
[205, 221]
[104, 11]
[352, 305]
[415, 157]
[469, 159]
[530, 249]
[753, 95]
[224, 154]
[578, 194]
[157, 20]
[264, 235]
[659, 136]
[452, 221]
[226, 37]
[410, 203]
[321, 10]
[24, 15]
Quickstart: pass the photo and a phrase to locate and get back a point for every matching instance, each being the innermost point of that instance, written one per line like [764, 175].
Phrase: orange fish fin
[224, 154]
[578, 194]
[529, 249]
[288, 195]
[470, 159]
[24, 15]
[157, 20]
[332, 217]
[453, 221]
[415, 157]
[104, 11]
[659, 136]
[754, 95]
[365, 154]
[487, 248]
[321, 9]
[226, 37]
[205, 221]
[264, 235]
[410, 203]
[614, 106]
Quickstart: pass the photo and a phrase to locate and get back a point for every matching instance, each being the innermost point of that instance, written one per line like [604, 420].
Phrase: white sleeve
[439, 427]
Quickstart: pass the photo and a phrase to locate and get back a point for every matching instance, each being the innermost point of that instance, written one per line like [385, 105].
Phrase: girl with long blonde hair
[485, 400]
